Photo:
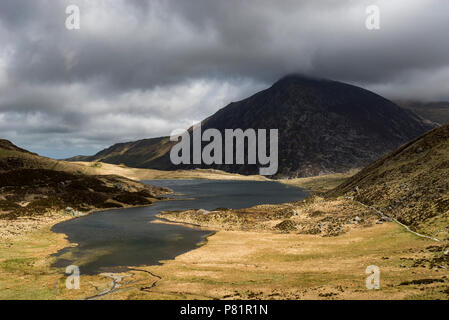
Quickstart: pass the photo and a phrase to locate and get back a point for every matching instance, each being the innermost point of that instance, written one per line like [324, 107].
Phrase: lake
[112, 240]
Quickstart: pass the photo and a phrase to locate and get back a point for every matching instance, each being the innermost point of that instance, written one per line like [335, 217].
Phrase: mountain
[410, 184]
[31, 185]
[324, 126]
[435, 111]
[146, 153]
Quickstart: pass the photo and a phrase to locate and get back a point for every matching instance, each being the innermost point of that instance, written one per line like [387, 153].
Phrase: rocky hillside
[324, 126]
[31, 185]
[410, 184]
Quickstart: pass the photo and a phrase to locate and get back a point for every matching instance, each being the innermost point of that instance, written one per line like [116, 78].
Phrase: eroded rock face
[324, 126]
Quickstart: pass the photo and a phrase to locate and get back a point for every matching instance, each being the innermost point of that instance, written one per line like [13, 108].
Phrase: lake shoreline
[235, 264]
[312, 184]
[128, 231]
[19, 228]
[8, 228]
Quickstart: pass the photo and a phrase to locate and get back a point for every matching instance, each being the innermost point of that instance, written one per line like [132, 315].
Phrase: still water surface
[113, 239]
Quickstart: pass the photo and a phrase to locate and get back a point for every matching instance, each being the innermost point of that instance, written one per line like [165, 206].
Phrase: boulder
[202, 211]
[73, 212]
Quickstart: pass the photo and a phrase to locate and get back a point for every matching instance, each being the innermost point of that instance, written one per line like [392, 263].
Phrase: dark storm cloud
[140, 68]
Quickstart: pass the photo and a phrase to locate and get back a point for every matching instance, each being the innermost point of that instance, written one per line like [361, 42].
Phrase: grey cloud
[139, 68]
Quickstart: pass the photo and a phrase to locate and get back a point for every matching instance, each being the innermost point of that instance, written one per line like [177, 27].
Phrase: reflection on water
[112, 240]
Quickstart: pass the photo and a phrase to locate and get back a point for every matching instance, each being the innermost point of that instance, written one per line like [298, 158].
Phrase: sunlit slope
[411, 183]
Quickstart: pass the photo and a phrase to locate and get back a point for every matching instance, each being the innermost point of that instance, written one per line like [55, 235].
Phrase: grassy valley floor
[244, 265]
[313, 249]
[250, 265]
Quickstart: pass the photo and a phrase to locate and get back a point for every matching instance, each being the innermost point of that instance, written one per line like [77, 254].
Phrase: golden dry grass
[250, 265]
[34, 161]
[151, 174]
[241, 265]
[321, 183]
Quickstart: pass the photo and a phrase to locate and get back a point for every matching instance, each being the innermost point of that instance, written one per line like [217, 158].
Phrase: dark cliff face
[324, 126]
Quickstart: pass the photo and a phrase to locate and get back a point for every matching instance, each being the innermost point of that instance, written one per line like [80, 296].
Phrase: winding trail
[399, 223]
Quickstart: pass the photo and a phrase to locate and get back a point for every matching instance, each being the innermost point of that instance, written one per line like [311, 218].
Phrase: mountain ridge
[325, 126]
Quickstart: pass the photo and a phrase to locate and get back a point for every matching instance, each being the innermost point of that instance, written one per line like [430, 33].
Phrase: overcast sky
[139, 69]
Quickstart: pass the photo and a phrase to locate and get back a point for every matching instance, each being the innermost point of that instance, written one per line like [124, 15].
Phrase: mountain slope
[31, 185]
[410, 184]
[146, 153]
[434, 111]
[324, 126]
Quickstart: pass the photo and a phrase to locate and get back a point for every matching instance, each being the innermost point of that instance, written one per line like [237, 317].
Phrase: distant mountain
[146, 153]
[410, 184]
[324, 126]
[435, 111]
[31, 185]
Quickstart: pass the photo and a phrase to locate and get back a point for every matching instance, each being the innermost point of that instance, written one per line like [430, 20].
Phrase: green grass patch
[23, 265]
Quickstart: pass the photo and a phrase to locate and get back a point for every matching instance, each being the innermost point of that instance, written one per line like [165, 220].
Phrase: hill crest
[325, 126]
